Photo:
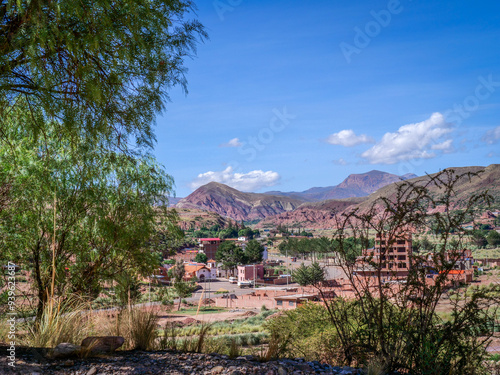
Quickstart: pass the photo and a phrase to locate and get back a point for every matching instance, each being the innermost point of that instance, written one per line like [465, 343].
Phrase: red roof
[209, 239]
[193, 268]
[454, 272]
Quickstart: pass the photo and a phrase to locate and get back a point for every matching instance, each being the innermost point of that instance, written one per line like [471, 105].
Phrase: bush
[305, 332]
[391, 322]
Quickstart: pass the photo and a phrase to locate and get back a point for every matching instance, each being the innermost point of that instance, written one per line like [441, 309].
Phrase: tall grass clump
[142, 328]
[62, 320]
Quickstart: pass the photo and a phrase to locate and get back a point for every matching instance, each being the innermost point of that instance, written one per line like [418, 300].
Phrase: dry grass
[376, 366]
[139, 327]
[61, 321]
[142, 328]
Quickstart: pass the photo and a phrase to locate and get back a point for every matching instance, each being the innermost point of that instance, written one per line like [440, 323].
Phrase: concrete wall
[251, 302]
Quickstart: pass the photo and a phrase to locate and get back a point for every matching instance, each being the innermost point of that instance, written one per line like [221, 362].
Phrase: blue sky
[287, 95]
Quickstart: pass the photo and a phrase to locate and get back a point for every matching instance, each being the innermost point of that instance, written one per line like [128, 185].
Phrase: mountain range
[229, 202]
[320, 215]
[315, 207]
[355, 185]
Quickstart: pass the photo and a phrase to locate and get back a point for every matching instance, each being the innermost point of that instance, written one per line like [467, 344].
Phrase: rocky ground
[31, 362]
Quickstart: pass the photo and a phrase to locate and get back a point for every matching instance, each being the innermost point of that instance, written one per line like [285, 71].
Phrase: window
[290, 303]
[279, 302]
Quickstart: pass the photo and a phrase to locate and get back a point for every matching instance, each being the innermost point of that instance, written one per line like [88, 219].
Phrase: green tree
[90, 212]
[254, 251]
[230, 255]
[230, 232]
[493, 238]
[201, 258]
[309, 275]
[478, 239]
[126, 288]
[182, 288]
[246, 232]
[95, 69]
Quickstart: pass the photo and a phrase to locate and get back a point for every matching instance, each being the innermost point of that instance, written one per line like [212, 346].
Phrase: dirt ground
[208, 318]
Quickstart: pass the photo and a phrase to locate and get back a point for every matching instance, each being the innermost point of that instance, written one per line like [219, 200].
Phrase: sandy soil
[215, 317]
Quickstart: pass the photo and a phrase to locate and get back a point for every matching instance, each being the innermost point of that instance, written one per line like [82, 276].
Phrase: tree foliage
[201, 258]
[182, 288]
[309, 275]
[253, 251]
[99, 69]
[230, 255]
[91, 212]
[493, 238]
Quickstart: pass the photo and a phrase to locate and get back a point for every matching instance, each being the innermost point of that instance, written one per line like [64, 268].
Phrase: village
[270, 282]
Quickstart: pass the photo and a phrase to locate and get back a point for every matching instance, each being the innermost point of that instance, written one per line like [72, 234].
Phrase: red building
[250, 272]
[391, 255]
[209, 246]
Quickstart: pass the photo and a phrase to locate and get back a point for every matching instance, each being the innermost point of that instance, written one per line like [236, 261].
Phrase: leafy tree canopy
[98, 68]
[493, 238]
[105, 206]
[254, 251]
[309, 275]
[201, 258]
[230, 255]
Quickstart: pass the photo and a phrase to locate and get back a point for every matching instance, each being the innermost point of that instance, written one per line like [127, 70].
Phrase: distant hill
[355, 185]
[229, 202]
[320, 215]
[172, 201]
[196, 219]
[489, 180]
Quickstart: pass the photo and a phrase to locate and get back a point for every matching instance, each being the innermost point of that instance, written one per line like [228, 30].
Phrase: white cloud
[446, 146]
[251, 181]
[492, 136]
[412, 141]
[340, 161]
[235, 142]
[348, 138]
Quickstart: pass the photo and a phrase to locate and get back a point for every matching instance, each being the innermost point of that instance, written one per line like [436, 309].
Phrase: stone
[65, 349]
[69, 363]
[282, 371]
[92, 371]
[103, 343]
[217, 370]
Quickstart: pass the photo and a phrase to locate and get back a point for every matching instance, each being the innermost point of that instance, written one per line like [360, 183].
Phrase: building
[392, 256]
[187, 255]
[250, 272]
[198, 270]
[271, 297]
[209, 246]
